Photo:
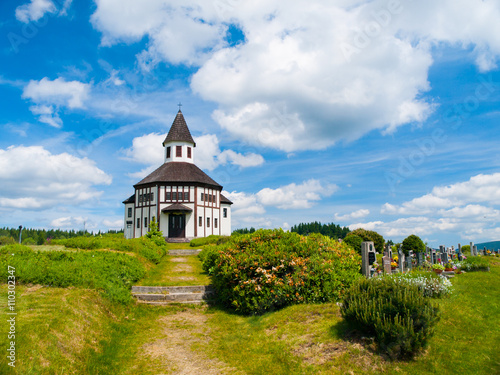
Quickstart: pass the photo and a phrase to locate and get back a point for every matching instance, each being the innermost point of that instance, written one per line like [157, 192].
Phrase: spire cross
[180, 105]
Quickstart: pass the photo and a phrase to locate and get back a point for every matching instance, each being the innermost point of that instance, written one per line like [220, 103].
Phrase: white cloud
[33, 178]
[68, 222]
[49, 96]
[34, 10]
[148, 149]
[308, 73]
[353, 215]
[113, 224]
[244, 204]
[469, 209]
[295, 196]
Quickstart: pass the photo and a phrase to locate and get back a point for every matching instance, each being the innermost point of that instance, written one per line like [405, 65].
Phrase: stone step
[182, 252]
[172, 289]
[174, 297]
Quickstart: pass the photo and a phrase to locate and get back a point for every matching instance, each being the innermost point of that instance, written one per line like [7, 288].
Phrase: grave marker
[387, 264]
[367, 257]
[409, 266]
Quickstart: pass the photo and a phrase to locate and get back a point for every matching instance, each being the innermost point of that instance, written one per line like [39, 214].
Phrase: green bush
[153, 248]
[397, 314]
[354, 241]
[414, 243]
[270, 269]
[370, 235]
[471, 264]
[6, 240]
[112, 273]
[210, 240]
[29, 241]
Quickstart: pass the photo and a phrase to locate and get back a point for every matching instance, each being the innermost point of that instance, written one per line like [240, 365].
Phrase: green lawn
[77, 331]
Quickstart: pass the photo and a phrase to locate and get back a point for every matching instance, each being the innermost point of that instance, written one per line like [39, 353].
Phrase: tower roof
[179, 131]
[179, 172]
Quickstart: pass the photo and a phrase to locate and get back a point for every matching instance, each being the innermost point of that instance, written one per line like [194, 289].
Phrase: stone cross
[367, 257]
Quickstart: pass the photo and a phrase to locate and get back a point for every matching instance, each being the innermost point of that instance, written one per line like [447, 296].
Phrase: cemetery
[312, 301]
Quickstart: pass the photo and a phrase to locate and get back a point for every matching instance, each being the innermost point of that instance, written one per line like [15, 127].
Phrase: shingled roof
[130, 199]
[179, 131]
[179, 172]
[223, 199]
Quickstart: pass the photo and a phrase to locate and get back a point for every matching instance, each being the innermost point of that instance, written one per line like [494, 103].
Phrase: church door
[176, 225]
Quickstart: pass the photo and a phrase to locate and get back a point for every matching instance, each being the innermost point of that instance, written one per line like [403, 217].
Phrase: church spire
[179, 131]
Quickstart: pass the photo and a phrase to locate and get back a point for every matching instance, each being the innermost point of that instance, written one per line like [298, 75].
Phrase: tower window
[224, 212]
[168, 152]
[178, 151]
[210, 198]
[129, 212]
[189, 152]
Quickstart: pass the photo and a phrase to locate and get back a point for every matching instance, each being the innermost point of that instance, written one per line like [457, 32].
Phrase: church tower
[179, 144]
[182, 198]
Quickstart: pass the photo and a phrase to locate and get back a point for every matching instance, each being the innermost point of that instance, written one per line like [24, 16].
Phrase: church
[182, 198]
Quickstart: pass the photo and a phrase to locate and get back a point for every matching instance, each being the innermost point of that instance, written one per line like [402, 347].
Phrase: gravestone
[484, 251]
[387, 264]
[472, 248]
[475, 251]
[444, 258]
[409, 266]
[459, 252]
[401, 260]
[367, 257]
[420, 259]
[433, 256]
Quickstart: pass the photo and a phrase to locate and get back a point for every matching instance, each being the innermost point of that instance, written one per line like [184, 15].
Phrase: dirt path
[179, 347]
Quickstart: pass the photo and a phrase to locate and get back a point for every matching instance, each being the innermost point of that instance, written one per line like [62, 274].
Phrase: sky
[375, 114]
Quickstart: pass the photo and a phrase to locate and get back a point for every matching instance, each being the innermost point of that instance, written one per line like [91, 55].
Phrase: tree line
[40, 236]
[331, 230]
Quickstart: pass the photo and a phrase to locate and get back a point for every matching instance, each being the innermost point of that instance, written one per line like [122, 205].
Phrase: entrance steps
[179, 252]
[163, 295]
[177, 240]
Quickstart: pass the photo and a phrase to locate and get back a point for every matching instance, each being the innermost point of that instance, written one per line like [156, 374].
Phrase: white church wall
[226, 221]
[184, 154]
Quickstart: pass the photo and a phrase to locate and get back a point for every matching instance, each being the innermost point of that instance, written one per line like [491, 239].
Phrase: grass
[176, 270]
[77, 331]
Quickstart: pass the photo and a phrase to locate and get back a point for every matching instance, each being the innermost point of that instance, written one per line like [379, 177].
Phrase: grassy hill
[492, 245]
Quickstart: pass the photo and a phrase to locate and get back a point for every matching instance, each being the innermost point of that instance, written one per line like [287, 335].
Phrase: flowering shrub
[270, 269]
[430, 284]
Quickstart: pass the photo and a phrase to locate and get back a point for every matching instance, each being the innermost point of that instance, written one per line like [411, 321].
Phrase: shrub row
[153, 248]
[270, 269]
[398, 314]
[471, 264]
[112, 273]
[210, 240]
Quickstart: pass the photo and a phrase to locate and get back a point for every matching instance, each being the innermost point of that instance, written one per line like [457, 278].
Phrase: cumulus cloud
[33, 178]
[148, 149]
[470, 208]
[307, 74]
[295, 196]
[353, 215]
[49, 96]
[68, 222]
[34, 10]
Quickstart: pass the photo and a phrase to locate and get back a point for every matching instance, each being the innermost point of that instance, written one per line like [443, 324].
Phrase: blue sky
[375, 114]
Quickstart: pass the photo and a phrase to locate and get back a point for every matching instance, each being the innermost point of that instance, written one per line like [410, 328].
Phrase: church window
[178, 151]
[186, 197]
[208, 222]
[169, 196]
[140, 198]
[152, 195]
[200, 221]
[210, 198]
[174, 196]
[129, 212]
[224, 212]
[138, 223]
[189, 152]
[202, 196]
[215, 223]
[213, 199]
[145, 222]
[168, 152]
